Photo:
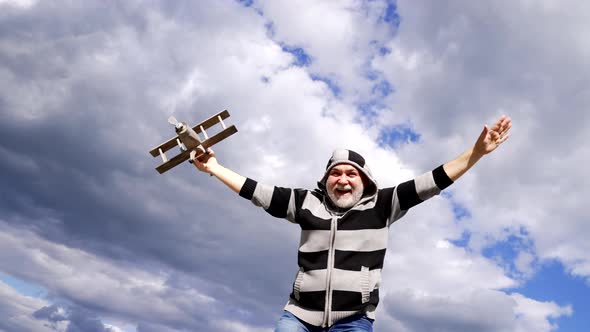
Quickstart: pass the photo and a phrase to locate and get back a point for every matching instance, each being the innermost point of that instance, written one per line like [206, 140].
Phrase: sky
[92, 238]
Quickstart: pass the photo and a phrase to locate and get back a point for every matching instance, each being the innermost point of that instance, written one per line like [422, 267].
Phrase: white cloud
[82, 277]
[429, 284]
[534, 315]
[341, 37]
[453, 67]
[477, 310]
[417, 260]
[17, 311]
[23, 4]
[235, 326]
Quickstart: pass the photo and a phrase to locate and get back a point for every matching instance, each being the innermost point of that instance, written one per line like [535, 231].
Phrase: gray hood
[344, 156]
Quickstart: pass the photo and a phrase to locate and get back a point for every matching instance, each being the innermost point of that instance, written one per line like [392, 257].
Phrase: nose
[343, 179]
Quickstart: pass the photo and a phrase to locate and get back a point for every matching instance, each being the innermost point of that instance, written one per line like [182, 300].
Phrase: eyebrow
[347, 170]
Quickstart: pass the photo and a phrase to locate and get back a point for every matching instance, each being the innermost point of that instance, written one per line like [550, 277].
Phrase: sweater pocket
[298, 284]
[365, 288]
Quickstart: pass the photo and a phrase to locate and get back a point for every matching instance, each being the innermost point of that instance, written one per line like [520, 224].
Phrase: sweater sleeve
[277, 201]
[411, 193]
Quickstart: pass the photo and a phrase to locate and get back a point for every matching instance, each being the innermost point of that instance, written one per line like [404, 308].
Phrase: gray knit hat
[344, 156]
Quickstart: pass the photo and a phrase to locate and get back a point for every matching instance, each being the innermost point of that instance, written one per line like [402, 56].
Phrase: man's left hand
[491, 138]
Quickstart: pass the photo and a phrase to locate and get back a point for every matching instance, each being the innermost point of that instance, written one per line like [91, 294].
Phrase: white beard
[347, 201]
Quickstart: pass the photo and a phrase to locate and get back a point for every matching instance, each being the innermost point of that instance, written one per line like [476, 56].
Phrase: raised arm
[277, 201]
[488, 141]
[208, 164]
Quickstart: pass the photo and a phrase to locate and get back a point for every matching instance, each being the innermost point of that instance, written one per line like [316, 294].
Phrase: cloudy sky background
[92, 238]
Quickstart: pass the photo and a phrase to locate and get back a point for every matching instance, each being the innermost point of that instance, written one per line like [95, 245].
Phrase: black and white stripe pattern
[349, 248]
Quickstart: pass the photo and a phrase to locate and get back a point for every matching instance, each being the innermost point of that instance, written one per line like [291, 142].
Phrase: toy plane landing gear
[190, 143]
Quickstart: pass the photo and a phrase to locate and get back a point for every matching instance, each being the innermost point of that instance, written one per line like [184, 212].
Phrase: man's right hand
[206, 162]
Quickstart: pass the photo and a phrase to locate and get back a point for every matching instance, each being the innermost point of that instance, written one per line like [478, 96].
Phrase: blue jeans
[357, 323]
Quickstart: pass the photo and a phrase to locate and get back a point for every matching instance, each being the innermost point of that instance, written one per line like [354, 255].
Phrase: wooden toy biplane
[190, 143]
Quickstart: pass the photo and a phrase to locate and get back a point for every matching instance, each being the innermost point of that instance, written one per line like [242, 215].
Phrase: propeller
[172, 120]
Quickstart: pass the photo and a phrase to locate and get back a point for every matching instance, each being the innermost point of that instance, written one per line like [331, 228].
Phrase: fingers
[198, 164]
[505, 127]
[498, 124]
[507, 124]
[494, 136]
[208, 154]
[199, 155]
[504, 123]
[501, 127]
[484, 133]
[200, 159]
[502, 139]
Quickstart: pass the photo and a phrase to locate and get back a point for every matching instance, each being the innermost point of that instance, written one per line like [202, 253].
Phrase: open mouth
[343, 191]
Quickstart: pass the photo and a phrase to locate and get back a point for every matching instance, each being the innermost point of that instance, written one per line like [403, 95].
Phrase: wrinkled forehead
[343, 167]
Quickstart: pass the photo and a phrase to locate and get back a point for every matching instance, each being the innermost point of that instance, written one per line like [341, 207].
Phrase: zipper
[330, 267]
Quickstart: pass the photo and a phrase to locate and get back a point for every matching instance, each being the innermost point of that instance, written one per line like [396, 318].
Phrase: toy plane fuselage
[188, 140]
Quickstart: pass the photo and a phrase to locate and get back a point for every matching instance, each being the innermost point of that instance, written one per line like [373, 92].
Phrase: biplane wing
[199, 145]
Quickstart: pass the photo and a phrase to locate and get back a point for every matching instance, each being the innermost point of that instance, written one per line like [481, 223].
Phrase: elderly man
[344, 230]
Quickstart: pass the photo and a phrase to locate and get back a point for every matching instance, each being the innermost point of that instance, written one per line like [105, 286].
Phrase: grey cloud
[490, 56]
[127, 292]
[483, 311]
[147, 327]
[17, 312]
[84, 93]
[524, 59]
[82, 321]
[79, 320]
[86, 127]
[53, 313]
[365, 32]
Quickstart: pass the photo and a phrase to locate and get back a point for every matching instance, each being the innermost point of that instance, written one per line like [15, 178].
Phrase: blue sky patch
[382, 89]
[270, 29]
[302, 59]
[397, 135]
[368, 110]
[331, 84]
[505, 252]
[460, 212]
[391, 16]
[372, 74]
[463, 241]
[552, 283]
[23, 287]
[246, 3]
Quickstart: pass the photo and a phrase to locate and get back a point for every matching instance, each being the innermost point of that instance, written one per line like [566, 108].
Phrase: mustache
[343, 187]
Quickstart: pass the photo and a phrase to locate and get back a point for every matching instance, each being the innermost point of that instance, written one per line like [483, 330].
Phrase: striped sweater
[341, 254]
